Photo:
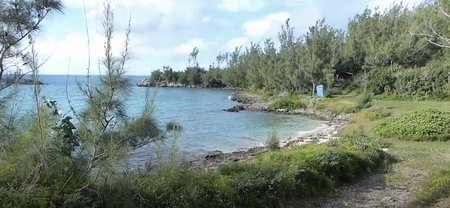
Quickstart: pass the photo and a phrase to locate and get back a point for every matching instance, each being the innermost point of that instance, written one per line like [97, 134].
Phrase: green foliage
[268, 181]
[287, 103]
[372, 114]
[422, 125]
[365, 99]
[273, 142]
[437, 187]
[21, 20]
[213, 78]
[66, 131]
[381, 81]
[337, 106]
[425, 82]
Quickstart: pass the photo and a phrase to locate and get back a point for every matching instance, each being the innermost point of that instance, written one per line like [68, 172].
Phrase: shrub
[428, 81]
[422, 125]
[381, 81]
[309, 182]
[287, 103]
[273, 142]
[365, 99]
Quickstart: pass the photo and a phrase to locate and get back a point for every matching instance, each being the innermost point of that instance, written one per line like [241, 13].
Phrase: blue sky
[164, 32]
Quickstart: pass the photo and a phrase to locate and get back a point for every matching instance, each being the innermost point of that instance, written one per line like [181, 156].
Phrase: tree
[213, 77]
[169, 75]
[288, 65]
[318, 53]
[19, 21]
[192, 60]
[435, 29]
[156, 77]
[106, 130]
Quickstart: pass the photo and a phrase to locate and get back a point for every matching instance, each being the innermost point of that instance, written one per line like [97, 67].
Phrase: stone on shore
[213, 154]
[235, 108]
[144, 83]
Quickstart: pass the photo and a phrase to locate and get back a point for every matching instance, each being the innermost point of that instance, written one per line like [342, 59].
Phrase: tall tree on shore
[288, 65]
[193, 73]
[19, 21]
[318, 52]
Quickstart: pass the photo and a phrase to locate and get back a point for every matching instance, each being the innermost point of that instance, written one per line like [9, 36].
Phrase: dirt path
[369, 192]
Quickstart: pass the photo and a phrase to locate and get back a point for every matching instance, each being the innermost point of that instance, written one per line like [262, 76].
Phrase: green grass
[397, 107]
[390, 108]
[338, 104]
[436, 188]
[421, 166]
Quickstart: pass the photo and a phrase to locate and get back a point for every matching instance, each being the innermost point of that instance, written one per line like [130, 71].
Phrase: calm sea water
[205, 126]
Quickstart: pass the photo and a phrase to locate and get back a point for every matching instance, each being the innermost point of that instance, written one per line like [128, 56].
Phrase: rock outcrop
[235, 108]
[250, 101]
[145, 83]
[30, 82]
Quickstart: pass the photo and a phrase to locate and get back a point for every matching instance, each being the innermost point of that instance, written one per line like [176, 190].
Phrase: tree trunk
[313, 89]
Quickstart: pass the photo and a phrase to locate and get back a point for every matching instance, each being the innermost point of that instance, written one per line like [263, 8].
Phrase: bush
[273, 143]
[425, 125]
[287, 103]
[381, 81]
[427, 82]
[267, 181]
[365, 99]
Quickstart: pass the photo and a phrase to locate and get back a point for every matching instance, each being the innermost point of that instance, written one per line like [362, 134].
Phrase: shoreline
[251, 102]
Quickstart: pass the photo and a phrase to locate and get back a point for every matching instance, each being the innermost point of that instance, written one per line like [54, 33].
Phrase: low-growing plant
[372, 114]
[287, 103]
[338, 106]
[425, 125]
[273, 142]
[437, 187]
[352, 130]
[365, 99]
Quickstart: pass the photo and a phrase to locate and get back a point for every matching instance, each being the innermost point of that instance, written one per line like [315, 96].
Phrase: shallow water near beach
[205, 126]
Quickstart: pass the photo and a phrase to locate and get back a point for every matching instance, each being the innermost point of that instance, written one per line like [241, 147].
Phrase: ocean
[199, 111]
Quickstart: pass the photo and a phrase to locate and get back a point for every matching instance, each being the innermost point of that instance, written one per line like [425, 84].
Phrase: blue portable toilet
[320, 90]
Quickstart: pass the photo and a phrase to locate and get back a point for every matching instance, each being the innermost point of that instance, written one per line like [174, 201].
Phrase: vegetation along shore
[386, 102]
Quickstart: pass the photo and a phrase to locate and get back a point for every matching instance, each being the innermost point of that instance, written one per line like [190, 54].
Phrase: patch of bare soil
[372, 191]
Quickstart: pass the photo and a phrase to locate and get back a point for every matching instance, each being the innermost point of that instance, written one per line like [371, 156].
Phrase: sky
[164, 32]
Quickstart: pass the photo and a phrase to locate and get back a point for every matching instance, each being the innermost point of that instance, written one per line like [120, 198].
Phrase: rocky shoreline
[247, 101]
[252, 102]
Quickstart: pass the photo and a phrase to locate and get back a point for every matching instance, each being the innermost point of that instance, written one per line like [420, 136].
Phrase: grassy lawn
[417, 162]
[397, 107]
[422, 168]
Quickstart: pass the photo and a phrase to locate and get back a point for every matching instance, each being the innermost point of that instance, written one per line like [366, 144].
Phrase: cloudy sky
[164, 32]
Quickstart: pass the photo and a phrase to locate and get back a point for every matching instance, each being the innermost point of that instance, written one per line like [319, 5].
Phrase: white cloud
[166, 31]
[186, 48]
[214, 21]
[166, 6]
[261, 27]
[231, 44]
[242, 5]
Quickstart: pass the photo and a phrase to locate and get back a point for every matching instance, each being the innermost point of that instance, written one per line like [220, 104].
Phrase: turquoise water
[205, 126]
